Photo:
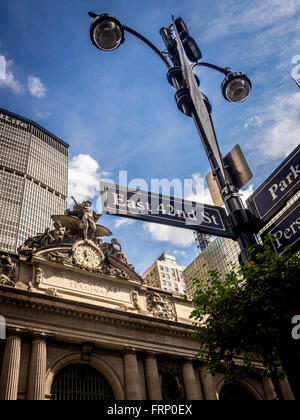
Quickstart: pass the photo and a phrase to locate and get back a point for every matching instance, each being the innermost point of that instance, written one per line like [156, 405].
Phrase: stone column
[208, 385]
[132, 377]
[191, 384]
[285, 389]
[269, 389]
[152, 377]
[11, 367]
[37, 368]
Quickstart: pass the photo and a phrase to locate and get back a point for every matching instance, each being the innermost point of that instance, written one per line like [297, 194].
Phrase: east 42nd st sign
[157, 208]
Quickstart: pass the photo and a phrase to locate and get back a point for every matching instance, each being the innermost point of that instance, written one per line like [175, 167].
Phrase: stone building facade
[82, 324]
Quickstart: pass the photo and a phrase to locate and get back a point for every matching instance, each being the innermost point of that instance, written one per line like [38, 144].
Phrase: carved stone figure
[114, 248]
[52, 292]
[80, 223]
[37, 279]
[59, 257]
[135, 301]
[7, 271]
[55, 236]
[160, 306]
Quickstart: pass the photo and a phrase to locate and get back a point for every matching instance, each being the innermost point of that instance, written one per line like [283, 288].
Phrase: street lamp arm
[225, 70]
[147, 42]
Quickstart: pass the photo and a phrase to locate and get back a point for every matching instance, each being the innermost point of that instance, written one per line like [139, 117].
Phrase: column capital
[188, 359]
[15, 332]
[129, 350]
[39, 336]
[151, 354]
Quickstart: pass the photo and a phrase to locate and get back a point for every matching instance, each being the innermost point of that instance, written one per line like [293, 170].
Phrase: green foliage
[244, 318]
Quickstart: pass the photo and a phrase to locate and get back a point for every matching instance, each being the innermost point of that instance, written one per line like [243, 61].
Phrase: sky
[116, 109]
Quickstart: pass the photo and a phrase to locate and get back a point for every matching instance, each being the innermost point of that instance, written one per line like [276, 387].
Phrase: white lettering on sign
[14, 121]
[163, 208]
[284, 184]
[287, 233]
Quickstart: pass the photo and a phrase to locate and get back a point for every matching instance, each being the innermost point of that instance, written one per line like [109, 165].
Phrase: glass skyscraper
[33, 179]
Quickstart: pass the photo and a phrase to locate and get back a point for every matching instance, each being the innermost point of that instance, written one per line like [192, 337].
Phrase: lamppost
[107, 34]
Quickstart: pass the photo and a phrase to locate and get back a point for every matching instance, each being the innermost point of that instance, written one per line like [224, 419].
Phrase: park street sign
[274, 193]
[157, 208]
[285, 230]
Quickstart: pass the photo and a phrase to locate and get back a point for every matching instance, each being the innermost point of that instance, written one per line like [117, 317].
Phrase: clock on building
[87, 255]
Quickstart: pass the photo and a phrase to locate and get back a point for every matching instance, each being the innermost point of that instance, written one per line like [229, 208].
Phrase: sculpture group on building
[76, 240]
[7, 270]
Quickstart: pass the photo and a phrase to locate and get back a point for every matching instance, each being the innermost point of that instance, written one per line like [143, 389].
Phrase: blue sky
[117, 111]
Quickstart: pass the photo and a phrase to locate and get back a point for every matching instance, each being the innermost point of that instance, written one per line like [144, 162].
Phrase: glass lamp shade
[107, 33]
[236, 87]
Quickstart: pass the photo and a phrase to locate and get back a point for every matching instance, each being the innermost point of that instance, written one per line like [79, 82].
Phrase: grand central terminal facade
[81, 324]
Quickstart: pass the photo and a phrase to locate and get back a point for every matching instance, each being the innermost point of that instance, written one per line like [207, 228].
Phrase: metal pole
[240, 218]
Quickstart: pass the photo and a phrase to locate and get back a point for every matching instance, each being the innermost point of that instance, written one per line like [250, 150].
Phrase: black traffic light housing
[189, 44]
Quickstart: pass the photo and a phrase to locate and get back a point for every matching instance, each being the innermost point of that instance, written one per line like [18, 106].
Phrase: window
[164, 282]
[173, 271]
[166, 268]
[81, 383]
[167, 276]
[169, 284]
[162, 268]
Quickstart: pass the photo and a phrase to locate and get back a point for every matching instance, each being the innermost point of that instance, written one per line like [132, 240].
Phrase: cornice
[79, 310]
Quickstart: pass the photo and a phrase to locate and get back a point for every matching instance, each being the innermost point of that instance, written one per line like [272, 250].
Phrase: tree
[246, 317]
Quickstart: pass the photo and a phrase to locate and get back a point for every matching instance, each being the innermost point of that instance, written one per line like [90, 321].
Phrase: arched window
[233, 392]
[80, 382]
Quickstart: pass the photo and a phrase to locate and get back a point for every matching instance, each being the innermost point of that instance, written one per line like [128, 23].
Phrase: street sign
[286, 230]
[274, 193]
[158, 208]
[239, 170]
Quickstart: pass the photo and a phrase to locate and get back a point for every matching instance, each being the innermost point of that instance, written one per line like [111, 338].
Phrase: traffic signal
[189, 44]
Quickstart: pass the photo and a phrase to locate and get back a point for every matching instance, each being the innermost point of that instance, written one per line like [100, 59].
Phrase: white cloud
[10, 81]
[177, 236]
[251, 15]
[182, 254]
[36, 87]
[280, 132]
[246, 193]
[84, 177]
[124, 222]
[42, 114]
[200, 194]
[251, 122]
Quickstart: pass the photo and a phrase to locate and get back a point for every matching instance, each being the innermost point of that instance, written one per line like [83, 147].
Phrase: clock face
[87, 256]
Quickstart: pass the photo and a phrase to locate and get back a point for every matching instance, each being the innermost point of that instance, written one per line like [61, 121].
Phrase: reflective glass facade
[33, 179]
[222, 254]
